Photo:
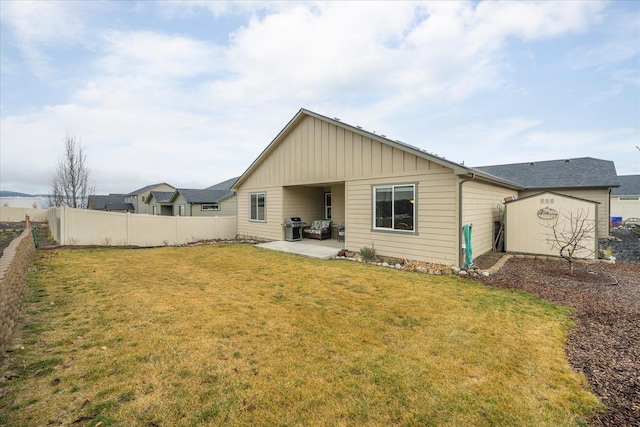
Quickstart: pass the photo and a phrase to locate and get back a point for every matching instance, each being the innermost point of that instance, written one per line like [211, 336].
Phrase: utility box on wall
[529, 223]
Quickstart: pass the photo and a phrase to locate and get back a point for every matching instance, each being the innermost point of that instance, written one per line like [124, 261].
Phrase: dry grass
[235, 335]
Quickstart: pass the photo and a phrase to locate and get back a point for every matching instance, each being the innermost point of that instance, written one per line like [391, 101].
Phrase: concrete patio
[323, 249]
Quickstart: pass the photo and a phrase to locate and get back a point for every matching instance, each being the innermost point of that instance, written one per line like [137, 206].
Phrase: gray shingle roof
[224, 185]
[584, 172]
[147, 188]
[163, 196]
[112, 202]
[629, 186]
[204, 196]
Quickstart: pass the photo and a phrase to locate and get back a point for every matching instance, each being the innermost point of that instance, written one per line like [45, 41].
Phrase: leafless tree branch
[70, 184]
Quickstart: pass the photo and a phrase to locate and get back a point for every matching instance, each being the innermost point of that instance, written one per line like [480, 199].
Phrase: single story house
[393, 197]
[625, 200]
[111, 203]
[398, 199]
[139, 197]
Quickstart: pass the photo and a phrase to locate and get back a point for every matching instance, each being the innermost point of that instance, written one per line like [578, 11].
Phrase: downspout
[473, 176]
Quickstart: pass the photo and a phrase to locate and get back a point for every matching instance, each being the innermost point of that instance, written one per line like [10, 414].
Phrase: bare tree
[70, 182]
[573, 237]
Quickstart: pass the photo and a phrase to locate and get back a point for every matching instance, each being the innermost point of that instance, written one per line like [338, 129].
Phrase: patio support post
[460, 260]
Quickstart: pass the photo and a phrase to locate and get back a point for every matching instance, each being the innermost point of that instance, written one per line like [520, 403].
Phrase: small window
[257, 206]
[144, 199]
[180, 210]
[327, 205]
[211, 207]
[628, 199]
[394, 207]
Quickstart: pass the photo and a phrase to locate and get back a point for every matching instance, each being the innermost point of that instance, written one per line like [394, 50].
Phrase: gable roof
[224, 185]
[566, 196]
[112, 202]
[147, 188]
[584, 172]
[204, 196]
[458, 169]
[629, 186]
[162, 196]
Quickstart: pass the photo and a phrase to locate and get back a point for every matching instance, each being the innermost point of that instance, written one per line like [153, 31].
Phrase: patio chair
[320, 229]
[341, 233]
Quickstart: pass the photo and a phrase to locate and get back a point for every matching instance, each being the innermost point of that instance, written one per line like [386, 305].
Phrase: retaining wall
[13, 271]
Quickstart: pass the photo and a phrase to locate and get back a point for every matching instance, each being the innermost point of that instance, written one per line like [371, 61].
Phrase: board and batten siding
[526, 233]
[315, 152]
[480, 201]
[599, 195]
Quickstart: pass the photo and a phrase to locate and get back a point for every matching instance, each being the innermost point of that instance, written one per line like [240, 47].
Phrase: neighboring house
[625, 200]
[161, 203]
[217, 200]
[400, 200]
[139, 198]
[111, 202]
[585, 178]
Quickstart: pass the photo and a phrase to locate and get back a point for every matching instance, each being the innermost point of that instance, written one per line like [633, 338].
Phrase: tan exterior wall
[271, 228]
[436, 233]
[527, 233]
[626, 208]
[338, 214]
[227, 208]
[318, 152]
[88, 227]
[596, 195]
[480, 208]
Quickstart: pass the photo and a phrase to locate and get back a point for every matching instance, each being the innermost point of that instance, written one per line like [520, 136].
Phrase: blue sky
[190, 93]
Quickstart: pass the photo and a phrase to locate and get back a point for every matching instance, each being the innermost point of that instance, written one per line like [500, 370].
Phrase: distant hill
[14, 194]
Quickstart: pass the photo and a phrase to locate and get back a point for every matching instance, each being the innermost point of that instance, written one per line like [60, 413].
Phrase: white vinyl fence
[12, 214]
[88, 227]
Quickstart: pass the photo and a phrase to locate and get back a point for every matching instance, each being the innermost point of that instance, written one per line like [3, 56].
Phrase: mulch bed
[604, 343]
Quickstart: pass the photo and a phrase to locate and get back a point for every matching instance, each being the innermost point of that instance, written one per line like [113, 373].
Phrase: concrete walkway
[323, 249]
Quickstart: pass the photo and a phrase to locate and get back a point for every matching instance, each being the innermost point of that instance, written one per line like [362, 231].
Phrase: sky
[190, 93]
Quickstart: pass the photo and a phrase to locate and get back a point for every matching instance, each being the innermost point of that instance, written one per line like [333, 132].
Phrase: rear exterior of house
[395, 198]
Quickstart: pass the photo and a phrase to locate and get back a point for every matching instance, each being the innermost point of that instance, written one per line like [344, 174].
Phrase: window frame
[392, 229]
[327, 206]
[214, 207]
[257, 203]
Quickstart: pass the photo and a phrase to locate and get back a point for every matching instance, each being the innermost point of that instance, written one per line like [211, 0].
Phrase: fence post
[63, 220]
[128, 228]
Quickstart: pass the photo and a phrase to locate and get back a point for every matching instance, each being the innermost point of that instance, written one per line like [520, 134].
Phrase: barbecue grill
[293, 228]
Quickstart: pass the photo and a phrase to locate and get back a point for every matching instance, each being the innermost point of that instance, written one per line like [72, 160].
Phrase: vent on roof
[337, 119]
[383, 135]
[359, 127]
[568, 161]
[532, 164]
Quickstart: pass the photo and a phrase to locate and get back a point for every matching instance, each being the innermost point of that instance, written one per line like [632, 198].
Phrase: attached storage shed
[529, 221]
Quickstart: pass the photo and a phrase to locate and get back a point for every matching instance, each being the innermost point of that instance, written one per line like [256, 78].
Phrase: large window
[256, 211]
[394, 207]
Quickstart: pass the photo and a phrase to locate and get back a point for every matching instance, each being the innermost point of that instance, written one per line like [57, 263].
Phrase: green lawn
[236, 335]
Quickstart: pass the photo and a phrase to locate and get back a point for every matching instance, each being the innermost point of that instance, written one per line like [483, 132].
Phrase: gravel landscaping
[604, 343]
